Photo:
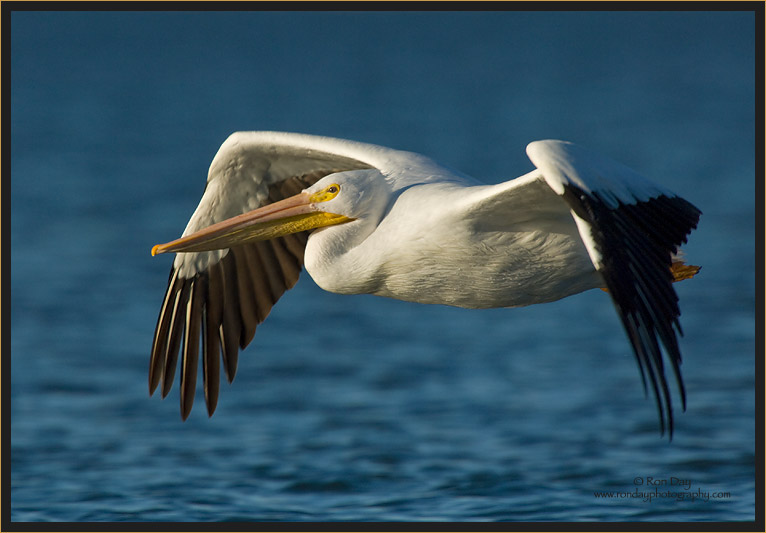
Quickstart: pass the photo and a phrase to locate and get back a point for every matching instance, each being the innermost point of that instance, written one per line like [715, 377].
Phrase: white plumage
[397, 224]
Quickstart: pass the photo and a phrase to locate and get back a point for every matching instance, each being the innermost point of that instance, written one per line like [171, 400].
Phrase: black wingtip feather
[636, 242]
[176, 330]
[212, 315]
[231, 327]
[191, 346]
[159, 344]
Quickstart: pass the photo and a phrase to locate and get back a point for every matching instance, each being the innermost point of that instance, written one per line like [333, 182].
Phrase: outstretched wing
[631, 227]
[220, 297]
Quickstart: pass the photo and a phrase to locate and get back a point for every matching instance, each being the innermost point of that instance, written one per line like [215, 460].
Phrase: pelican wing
[220, 297]
[630, 227]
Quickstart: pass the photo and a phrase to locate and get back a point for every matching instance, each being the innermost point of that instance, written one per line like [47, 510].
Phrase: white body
[448, 244]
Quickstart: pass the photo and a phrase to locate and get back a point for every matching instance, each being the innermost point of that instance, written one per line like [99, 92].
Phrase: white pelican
[369, 219]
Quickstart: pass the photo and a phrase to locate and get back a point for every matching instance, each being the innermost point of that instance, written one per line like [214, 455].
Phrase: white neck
[336, 260]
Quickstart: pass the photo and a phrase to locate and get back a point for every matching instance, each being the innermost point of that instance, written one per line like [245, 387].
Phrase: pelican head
[359, 195]
[339, 198]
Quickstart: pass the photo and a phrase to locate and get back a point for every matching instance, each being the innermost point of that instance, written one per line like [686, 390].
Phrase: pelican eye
[328, 193]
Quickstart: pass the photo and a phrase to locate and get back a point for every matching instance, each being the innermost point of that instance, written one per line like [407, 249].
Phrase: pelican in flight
[364, 219]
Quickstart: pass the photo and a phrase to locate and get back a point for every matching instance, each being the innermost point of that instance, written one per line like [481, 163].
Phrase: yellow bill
[291, 215]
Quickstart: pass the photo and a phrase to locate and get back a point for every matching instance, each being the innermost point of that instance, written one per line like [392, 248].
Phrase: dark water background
[362, 408]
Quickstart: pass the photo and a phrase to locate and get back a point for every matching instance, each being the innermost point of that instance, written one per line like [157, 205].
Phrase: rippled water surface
[362, 408]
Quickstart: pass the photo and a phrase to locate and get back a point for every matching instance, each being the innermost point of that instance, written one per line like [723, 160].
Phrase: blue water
[362, 408]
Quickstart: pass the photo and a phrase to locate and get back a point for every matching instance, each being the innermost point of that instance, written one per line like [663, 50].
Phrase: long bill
[290, 215]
